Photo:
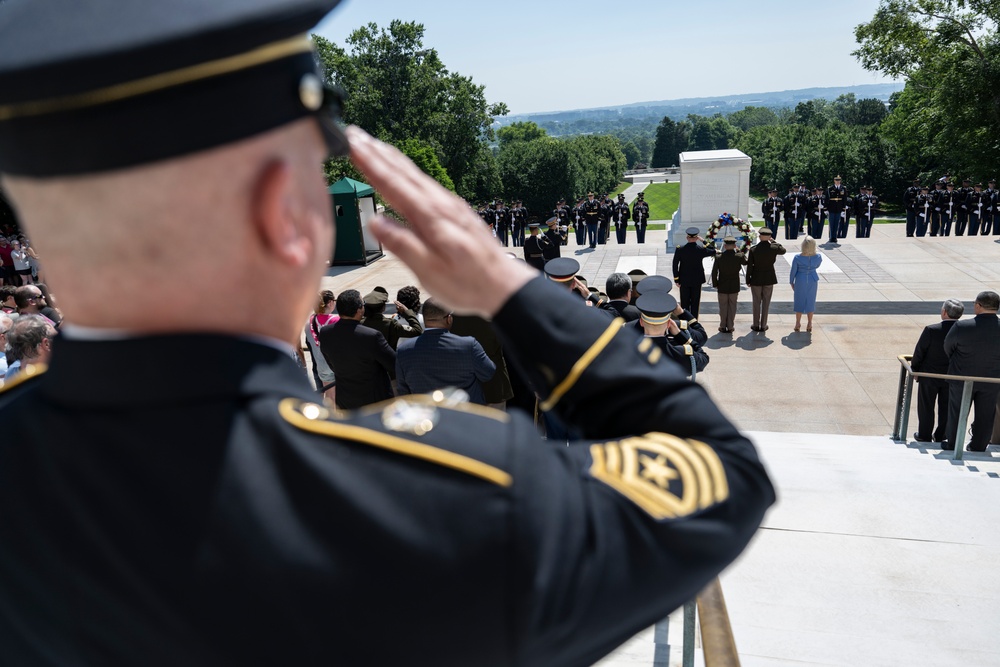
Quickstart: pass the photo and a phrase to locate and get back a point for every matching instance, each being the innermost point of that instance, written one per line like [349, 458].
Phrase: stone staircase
[877, 553]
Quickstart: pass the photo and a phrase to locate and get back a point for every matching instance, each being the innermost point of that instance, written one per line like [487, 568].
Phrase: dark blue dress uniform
[640, 216]
[910, 204]
[221, 516]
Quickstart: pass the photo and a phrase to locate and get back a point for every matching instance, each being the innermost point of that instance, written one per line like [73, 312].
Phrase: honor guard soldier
[579, 225]
[591, 213]
[518, 219]
[962, 202]
[910, 204]
[836, 201]
[924, 210]
[555, 238]
[565, 215]
[621, 215]
[640, 216]
[501, 219]
[536, 246]
[866, 210]
[795, 204]
[226, 516]
[992, 217]
[976, 203]
[772, 207]
[803, 193]
[689, 270]
[604, 229]
[947, 207]
[817, 213]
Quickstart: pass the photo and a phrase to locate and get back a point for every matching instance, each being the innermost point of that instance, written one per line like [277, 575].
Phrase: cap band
[651, 319]
[121, 91]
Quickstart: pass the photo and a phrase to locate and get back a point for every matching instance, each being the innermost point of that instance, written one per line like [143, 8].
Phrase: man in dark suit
[499, 389]
[689, 271]
[438, 359]
[929, 357]
[359, 356]
[973, 349]
[761, 277]
[618, 287]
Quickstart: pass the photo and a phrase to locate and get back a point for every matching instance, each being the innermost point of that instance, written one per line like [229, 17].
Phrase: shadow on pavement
[797, 340]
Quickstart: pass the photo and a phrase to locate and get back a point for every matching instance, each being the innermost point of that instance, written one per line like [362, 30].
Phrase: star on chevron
[657, 471]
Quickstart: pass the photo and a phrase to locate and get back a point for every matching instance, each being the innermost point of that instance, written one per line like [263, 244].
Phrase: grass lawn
[663, 200]
[622, 187]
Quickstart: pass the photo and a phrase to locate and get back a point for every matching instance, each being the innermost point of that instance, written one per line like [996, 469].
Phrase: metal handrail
[718, 643]
[904, 396]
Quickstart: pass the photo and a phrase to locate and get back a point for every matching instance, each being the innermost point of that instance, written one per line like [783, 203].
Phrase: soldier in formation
[620, 214]
[772, 207]
[640, 216]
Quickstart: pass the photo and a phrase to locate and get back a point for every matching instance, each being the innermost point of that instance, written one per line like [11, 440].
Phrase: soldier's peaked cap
[107, 84]
[692, 231]
[653, 284]
[561, 269]
[656, 306]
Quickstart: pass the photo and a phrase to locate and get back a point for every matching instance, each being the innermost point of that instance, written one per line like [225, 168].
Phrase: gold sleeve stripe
[655, 355]
[645, 345]
[715, 466]
[150, 84]
[392, 443]
[692, 321]
[27, 373]
[581, 365]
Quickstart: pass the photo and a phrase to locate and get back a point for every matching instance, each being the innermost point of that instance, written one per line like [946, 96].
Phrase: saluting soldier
[771, 208]
[924, 210]
[621, 215]
[689, 270]
[640, 216]
[837, 201]
[535, 246]
[976, 203]
[655, 310]
[187, 521]
[866, 210]
[555, 238]
[911, 205]
[817, 213]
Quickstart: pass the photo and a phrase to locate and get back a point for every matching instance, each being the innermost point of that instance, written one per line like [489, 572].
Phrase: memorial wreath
[749, 235]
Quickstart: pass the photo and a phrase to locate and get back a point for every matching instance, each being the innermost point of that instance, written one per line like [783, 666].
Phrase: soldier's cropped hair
[349, 303]
[988, 300]
[953, 308]
[617, 285]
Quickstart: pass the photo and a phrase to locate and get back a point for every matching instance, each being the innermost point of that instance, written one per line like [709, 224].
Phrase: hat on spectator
[561, 269]
[103, 84]
[656, 307]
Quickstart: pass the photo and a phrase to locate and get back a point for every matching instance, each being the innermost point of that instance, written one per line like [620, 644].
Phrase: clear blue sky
[549, 56]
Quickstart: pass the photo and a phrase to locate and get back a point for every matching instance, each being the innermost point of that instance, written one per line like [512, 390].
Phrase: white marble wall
[712, 182]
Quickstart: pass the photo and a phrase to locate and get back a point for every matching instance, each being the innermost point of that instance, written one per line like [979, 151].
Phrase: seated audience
[30, 341]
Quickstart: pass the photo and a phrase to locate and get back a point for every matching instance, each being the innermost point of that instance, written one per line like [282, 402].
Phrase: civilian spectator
[973, 348]
[409, 296]
[30, 301]
[322, 373]
[761, 277]
[6, 322]
[929, 357]
[619, 289]
[726, 280]
[19, 257]
[392, 330]
[48, 305]
[32, 259]
[359, 356]
[6, 263]
[7, 302]
[499, 389]
[30, 341]
[438, 359]
[805, 281]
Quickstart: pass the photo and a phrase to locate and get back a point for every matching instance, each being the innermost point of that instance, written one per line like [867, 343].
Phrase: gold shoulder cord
[29, 372]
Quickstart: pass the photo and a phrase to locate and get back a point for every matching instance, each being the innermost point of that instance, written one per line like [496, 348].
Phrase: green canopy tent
[353, 207]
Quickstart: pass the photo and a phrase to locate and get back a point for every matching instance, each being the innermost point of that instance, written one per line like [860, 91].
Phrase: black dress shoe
[947, 446]
[916, 436]
[970, 449]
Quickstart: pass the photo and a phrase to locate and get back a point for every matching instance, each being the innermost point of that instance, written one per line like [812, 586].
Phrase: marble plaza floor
[877, 553]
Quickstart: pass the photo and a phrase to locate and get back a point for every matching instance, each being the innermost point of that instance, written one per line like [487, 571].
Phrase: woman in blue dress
[804, 280]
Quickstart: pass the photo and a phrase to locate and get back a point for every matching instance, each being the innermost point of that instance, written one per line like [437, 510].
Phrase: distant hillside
[704, 106]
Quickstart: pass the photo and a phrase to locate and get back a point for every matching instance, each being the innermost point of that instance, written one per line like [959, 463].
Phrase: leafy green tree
[632, 154]
[424, 157]
[751, 117]
[537, 172]
[671, 140]
[948, 115]
[398, 90]
[596, 163]
[520, 131]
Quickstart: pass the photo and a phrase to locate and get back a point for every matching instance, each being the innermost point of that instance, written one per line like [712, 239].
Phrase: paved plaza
[877, 553]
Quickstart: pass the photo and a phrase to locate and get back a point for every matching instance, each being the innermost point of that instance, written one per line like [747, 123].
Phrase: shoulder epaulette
[29, 372]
